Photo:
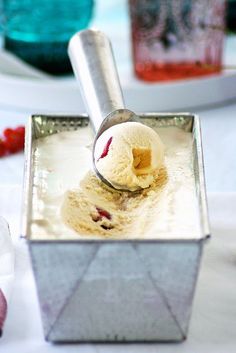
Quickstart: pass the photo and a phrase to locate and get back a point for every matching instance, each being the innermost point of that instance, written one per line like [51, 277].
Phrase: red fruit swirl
[103, 213]
[106, 148]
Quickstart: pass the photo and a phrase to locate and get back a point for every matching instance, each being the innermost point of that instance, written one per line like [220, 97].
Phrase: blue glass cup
[38, 31]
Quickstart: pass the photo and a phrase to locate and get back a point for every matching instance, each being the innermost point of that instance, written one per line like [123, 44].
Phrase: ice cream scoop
[129, 155]
[92, 60]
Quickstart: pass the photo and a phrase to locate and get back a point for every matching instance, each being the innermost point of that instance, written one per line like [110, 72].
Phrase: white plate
[64, 96]
[35, 95]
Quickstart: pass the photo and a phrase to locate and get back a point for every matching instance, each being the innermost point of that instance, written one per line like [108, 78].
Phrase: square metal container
[115, 290]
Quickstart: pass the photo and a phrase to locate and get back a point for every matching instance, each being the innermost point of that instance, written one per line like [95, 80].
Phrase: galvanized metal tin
[115, 290]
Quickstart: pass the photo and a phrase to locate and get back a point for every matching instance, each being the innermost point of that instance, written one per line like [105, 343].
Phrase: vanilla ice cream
[129, 155]
[70, 202]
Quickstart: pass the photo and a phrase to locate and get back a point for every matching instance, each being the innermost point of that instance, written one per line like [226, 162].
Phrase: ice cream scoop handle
[93, 63]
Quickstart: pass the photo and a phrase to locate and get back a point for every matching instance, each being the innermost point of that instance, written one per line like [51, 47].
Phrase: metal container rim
[27, 185]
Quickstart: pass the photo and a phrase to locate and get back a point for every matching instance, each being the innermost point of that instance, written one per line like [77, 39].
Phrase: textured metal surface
[115, 292]
[44, 125]
[130, 290]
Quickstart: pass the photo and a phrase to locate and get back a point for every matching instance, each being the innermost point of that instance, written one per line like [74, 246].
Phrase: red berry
[13, 140]
[20, 129]
[106, 148]
[3, 150]
[7, 132]
[20, 135]
[11, 144]
[103, 213]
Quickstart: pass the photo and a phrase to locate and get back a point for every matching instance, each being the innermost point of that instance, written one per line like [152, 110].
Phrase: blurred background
[153, 32]
[154, 42]
[38, 31]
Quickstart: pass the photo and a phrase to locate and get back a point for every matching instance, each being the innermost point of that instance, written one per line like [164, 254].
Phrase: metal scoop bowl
[94, 66]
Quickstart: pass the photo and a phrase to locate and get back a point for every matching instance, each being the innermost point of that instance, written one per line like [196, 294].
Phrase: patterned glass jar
[175, 39]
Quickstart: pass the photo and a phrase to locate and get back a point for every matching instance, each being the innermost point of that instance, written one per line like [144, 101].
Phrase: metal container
[115, 290]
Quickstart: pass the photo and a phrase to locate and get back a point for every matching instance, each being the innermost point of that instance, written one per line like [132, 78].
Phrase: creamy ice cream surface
[129, 155]
[70, 202]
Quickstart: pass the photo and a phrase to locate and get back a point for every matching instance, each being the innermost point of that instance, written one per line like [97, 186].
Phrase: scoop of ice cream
[129, 155]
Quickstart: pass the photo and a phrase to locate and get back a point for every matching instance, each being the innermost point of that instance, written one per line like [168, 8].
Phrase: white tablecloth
[213, 324]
